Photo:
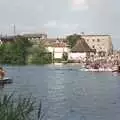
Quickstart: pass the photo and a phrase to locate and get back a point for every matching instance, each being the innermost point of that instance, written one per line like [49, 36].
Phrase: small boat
[116, 69]
[6, 80]
[89, 70]
[96, 70]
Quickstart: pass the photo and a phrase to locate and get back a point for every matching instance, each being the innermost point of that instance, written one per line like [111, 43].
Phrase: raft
[6, 80]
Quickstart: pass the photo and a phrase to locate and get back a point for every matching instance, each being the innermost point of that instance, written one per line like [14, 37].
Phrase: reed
[19, 108]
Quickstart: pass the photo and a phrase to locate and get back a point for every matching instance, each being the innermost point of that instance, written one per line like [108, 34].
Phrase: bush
[41, 58]
[65, 56]
[16, 52]
[58, 60]
[71, 61]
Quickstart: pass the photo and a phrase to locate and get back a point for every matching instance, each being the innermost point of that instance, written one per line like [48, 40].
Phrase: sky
[59, 18]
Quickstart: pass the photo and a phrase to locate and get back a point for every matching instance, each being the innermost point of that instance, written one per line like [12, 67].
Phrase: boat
[96, 70]
[6, 80]
[116, 69]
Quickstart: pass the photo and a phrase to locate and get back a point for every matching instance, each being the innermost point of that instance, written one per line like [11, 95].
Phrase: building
[57, 47]
[80, 51]
[102, 43]
[7, 39]
[35, 38]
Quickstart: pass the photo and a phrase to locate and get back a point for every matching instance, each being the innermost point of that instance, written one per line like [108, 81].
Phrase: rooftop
[95, 35]
[82, 46]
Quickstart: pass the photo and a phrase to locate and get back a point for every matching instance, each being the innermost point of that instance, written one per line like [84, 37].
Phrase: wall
[99, 42]
[77, 56]
[58, 51]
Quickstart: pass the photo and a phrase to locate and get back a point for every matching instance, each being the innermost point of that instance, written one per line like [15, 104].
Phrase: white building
[57, 48]
[80, 51]
[102, 43]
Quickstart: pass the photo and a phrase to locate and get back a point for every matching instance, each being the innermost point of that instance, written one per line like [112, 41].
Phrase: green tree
[2, 48]
[15, 52]
[65, 56]
[72, 39]
[41, 56]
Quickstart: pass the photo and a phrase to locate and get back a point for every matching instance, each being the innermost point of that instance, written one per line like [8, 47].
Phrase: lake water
[69, 94]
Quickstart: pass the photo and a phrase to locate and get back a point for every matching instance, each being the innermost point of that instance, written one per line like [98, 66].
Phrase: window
[88, 40]
[93, 40]
[98, 40]
[93, 46]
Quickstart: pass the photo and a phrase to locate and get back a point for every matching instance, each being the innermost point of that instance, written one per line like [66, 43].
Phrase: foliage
[2, 49]
[41, 56]
[71, 61]
[15, 52]
[19, 108]
[72, 39]
[21, 51]
[57, 60]
[65, 56]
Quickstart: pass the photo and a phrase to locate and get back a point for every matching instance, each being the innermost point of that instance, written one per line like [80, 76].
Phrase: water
[68, 94]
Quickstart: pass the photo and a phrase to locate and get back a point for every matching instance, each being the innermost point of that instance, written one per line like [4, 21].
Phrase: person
[2, 73]
[117, 70]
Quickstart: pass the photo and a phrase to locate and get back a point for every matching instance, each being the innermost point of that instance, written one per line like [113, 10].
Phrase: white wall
[58, 55]
[104, 43]
[58, 51]
[50, 49]
[77, 56]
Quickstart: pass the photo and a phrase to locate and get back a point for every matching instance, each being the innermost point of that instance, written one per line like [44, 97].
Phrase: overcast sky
[61, 17]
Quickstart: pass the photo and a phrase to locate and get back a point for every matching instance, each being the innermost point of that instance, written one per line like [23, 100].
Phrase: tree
[41, 56]
[22, 45]
[65, 56]
[15, 52]
[72, 39]
[2, 48]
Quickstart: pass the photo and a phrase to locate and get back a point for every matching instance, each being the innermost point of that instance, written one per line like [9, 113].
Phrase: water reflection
[2, 86]
[56, 95]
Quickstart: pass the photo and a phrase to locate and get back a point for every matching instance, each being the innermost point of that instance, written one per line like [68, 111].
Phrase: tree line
[20, 51]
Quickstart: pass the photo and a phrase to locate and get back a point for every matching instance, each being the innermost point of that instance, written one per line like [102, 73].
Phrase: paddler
[2, 73]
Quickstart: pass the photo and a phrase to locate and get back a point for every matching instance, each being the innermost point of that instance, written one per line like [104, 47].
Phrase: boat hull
[6, 81]
[96, 70]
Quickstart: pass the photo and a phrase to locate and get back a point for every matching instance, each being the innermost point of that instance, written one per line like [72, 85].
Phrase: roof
[56, 42]
[82, 46]
[60, 44]
[94, 35]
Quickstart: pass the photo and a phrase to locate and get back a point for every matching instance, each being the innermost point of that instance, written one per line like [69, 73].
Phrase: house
[81, 51]
[102, 43]
[57, 47]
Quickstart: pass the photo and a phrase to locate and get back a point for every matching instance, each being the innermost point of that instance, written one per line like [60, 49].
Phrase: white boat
[96, 70]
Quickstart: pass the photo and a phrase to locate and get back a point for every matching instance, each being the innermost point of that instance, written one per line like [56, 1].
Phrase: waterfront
[69, 94]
